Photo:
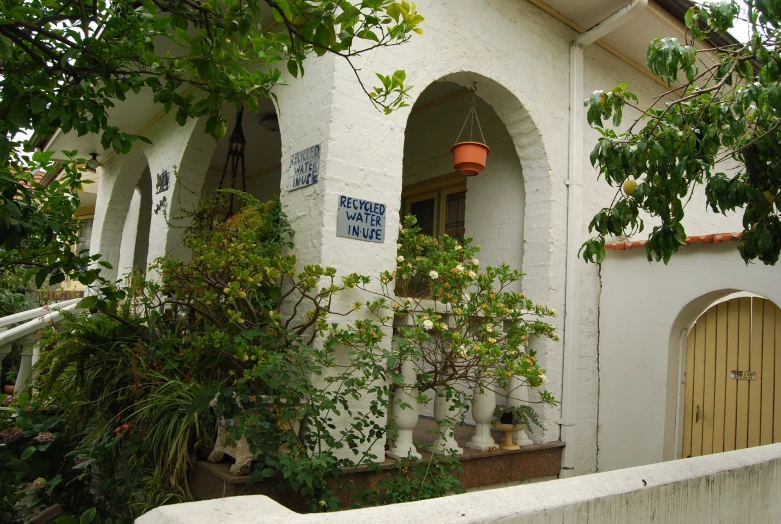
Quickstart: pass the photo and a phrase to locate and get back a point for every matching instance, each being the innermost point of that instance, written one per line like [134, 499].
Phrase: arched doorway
[733, 356]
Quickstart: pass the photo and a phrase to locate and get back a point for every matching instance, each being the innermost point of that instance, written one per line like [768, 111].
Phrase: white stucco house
[624, 370]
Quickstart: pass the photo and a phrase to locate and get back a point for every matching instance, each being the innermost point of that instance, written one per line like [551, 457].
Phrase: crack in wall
[599, 376]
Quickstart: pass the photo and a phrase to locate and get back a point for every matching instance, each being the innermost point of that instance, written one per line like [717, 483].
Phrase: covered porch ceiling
[629, 42]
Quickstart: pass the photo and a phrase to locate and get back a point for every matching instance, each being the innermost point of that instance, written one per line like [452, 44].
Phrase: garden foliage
[297, 359]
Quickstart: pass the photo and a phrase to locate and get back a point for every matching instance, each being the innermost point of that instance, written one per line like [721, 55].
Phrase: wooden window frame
[438, 188]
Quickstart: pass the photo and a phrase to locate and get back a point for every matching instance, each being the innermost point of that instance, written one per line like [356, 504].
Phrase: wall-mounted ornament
[161, 205]
[163, 182]
[470, 157]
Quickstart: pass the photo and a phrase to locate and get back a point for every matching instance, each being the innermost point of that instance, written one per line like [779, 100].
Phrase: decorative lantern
[236, 146]
[469, 157]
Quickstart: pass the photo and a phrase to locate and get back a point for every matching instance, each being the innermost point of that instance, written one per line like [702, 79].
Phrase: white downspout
[574, 225]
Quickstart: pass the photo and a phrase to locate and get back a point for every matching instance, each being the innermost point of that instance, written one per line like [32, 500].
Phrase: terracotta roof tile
[696, 239]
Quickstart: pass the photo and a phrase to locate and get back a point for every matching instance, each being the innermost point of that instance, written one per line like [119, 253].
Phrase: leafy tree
[65, 63]
[723, 107]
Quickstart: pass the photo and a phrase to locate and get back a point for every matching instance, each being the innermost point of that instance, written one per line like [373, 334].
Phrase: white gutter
[574, 183]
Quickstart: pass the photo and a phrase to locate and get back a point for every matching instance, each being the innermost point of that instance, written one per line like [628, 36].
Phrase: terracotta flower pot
[470, 158]
[8, 389]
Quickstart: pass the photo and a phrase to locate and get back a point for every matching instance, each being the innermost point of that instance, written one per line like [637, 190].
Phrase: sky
[741, 30]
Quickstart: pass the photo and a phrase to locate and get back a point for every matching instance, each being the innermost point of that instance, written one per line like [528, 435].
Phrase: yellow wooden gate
[733, 355]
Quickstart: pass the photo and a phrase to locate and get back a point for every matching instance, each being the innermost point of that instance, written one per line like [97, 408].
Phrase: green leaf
[87, 302]
[774, 96]
[28, 452]
[88, 516]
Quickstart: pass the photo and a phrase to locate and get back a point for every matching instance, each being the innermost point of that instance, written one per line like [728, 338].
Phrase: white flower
[460, 267]
[444, 326]
[427, 324]
[553, 312]
[489, 328]
[401, 228]
[475, 262]
[434, 275]
[458, 247]
[462, 348]
[471, 274]
[400, 259]
[492, 340]
[398, 246]
[544, 378]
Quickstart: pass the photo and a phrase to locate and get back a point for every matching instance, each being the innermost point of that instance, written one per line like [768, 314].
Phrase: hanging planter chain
[471, 117]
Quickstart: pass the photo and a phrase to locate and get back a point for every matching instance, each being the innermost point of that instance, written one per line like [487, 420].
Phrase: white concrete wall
[644, 308]
[521, 70]
[739, 486]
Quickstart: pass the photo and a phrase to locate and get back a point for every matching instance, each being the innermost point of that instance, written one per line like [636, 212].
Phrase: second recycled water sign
[304, 168]
[360, 219]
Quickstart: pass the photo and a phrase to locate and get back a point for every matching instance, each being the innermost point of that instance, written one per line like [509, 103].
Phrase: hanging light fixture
[93, 164]
[236, 146]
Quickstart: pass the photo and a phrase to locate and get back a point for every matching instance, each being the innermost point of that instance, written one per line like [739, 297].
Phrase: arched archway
[728, 398]
[120, 178]
[519, 158]
[714, 335]
[491, 207]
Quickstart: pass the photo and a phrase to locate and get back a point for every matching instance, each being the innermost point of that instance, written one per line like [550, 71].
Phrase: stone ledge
[480, 469]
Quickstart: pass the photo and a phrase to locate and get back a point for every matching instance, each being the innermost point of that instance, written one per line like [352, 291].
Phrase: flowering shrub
[462, 323]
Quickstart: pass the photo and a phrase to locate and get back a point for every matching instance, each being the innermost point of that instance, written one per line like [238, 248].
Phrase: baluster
[405, 419]
[445, 417]
[517, 395]
[483, 405]
[25, 366]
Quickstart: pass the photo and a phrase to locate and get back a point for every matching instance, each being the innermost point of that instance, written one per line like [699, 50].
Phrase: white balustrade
[404, 414]
[484, 401]
[27, 334]
[445, 416]
[483, 405]
[517, 395]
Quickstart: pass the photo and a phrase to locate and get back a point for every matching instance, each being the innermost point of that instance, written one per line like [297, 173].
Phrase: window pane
[424, 212]
[455, 213]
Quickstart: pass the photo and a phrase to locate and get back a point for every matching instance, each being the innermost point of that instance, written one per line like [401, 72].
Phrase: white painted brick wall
[521, 65]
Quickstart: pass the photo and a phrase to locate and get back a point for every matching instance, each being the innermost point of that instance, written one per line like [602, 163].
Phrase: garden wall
[739, 486]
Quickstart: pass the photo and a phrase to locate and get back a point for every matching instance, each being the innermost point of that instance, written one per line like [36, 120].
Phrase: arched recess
[491, 207]
[714, 335]
[262, 157]
[516, 130]
[120, 178]
[201, 165]
[488, 207]
[134, 247]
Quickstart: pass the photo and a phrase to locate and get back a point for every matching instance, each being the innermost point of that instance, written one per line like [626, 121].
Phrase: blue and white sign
[304, 168]
[360, 219]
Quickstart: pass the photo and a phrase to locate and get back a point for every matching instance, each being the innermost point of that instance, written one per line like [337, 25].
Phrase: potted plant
[470, 157]
[510, 419]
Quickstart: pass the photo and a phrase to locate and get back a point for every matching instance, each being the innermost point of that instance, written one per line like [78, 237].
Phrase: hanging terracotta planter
[469, 157]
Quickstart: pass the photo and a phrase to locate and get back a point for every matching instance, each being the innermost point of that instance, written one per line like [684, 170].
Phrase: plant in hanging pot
[469, 157]
[510, 419]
